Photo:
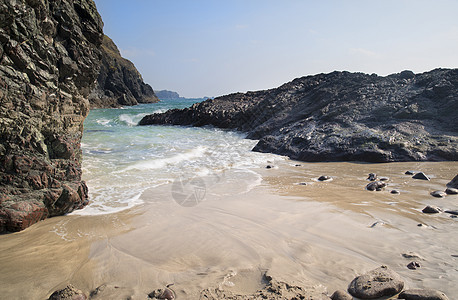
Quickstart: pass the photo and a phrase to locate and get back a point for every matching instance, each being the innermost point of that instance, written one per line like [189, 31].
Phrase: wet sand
[318, 236]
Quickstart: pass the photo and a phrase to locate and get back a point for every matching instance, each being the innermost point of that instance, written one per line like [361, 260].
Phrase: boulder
[380, 282]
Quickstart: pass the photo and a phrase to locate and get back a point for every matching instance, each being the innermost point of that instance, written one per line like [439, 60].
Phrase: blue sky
[210, 48]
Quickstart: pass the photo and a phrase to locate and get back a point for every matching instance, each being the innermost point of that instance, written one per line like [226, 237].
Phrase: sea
[121, 160]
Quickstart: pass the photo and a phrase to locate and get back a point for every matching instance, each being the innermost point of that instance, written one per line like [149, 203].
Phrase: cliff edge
[49, 61]
[119, 83]
[341, 116]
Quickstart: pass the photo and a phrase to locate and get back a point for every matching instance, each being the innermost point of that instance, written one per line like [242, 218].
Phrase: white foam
[104, 208]
[163, 162]
[104, 122]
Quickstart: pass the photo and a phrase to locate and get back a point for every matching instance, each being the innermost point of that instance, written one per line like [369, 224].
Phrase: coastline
[318, 236]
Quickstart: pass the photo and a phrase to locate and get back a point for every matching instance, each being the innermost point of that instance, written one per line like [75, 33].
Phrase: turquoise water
[121, 160]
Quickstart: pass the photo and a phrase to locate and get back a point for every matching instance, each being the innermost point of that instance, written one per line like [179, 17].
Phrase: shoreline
[317, 236]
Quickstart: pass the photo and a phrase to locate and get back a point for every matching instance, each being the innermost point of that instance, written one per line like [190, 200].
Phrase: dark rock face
[341, 116]
[377, 283]
[119, 83]
[49, 60]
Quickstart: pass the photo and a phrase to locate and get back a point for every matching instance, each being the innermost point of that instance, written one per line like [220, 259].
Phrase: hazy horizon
[211, 48]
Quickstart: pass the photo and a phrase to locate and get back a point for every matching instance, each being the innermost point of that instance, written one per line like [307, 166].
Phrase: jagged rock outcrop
[49, 61]
[119, 83]
[167, 95]
[341, 116]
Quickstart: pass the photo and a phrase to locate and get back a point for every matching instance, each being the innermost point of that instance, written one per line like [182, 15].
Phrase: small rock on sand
[417, 294]
[453, 183]
[324, 178]
[414, 265]
[438, 194]
[377, 283]
[431, 210]
[452, 212]
[451, 191]
[420, 175]
[341, 295]
[372, 177]
[396, 192]
[68, 293]
[375, 186]
[160, 294]
[409, 173]
[412, 255]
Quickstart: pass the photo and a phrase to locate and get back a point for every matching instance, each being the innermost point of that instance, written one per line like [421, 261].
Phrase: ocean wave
[130, 120]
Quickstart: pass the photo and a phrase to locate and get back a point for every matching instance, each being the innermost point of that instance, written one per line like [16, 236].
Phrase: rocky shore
[341, 116]
[119, 83]
[378, 283]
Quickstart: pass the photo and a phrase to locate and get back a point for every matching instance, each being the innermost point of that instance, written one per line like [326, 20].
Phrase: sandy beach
[291, 227]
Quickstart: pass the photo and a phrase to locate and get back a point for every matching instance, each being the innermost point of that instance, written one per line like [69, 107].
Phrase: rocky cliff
[49, 61]
[119, 83]
[167, 95]
[341, 116]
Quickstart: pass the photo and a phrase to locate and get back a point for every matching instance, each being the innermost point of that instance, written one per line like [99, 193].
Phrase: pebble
[409, 173]
[165, 294]
[412, 255]
[417, 294]
[375, 186]
[341, 295]
[372, 177]
[269, 167]
[384, 179]
[438, 194]
[420, 175]
[452, 212]
[413, 265]
[324, 178]
[395, 192]
[451, 191]
[431, 210]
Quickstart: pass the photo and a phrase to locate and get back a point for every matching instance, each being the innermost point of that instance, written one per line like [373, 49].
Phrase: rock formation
[49, 61]
[167, 95]
[341, 116]
[119, 83]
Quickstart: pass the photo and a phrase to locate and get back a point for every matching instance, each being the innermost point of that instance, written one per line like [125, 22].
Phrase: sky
[208, 48]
